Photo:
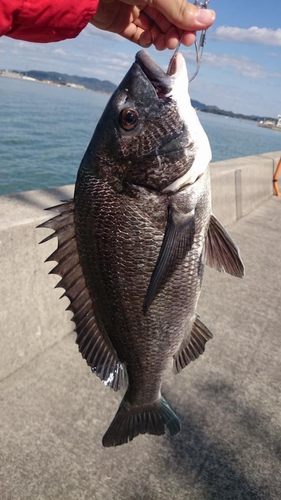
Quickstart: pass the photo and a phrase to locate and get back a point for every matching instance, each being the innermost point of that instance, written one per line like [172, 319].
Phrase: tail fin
[129, 422]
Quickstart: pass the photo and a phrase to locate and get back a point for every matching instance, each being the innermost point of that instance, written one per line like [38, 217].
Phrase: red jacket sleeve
[45, 20]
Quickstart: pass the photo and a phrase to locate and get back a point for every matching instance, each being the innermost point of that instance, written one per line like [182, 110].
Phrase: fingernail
[146, 39]
[206, 16]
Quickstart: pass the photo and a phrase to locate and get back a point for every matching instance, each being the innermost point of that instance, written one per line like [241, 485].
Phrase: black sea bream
[133, 243]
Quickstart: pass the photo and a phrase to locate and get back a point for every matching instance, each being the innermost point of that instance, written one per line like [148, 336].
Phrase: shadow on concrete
[252, 421]
[228, 467]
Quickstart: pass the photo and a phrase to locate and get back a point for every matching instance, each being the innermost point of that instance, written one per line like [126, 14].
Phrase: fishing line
[199, 47]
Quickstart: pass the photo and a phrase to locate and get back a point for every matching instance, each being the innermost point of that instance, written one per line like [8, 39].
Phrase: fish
[134, 241]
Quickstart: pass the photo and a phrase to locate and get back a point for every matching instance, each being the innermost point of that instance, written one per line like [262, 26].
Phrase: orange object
[275, 179]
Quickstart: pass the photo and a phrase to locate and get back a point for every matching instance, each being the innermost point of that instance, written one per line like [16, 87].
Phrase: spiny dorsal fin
[193, 346]
[94, 346]
[220, 251]
[177, 241]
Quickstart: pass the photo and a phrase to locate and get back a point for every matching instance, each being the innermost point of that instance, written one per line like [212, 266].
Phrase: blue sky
[240, 71]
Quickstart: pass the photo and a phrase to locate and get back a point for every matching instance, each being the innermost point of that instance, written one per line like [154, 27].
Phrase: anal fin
[220, 251]
[192, 347]
[94, 344]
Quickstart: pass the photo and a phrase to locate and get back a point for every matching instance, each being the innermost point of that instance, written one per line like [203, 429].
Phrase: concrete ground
[54, 412]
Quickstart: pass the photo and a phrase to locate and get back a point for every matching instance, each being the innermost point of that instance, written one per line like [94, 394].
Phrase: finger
[137, 35]
[159, 18]
[172, 38]
[188, 38]
[144, 21]
[167, 40]
[142, 31]
[148, 24]
[146, 39]
[184, 15]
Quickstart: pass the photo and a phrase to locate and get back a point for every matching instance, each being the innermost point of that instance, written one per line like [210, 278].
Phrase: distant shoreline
[106, 87]
[20, 76]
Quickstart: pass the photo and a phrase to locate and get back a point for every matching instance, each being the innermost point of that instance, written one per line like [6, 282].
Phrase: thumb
[185, 15]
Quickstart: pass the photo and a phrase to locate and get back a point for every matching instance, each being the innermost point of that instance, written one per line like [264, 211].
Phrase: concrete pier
[54, 412]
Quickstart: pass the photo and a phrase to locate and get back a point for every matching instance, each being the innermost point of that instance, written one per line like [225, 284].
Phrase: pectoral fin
[177, 241]
[220, 251]
[193, 346]
[94, 344]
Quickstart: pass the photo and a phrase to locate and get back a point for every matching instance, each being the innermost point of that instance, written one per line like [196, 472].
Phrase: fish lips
[161, 81]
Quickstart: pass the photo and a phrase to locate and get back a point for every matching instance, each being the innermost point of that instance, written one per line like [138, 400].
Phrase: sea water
[45, 130]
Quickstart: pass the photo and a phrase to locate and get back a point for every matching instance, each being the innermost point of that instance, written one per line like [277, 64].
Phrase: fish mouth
[161, 81]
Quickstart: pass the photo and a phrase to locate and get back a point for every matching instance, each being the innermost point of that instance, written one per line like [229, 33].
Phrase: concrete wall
[239, 185]
[32, 317]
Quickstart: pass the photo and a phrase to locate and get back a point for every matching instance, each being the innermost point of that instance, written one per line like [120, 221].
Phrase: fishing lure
[199, 46]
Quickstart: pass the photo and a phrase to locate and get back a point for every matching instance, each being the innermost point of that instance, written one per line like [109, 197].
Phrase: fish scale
[116, 250]
[133, 244]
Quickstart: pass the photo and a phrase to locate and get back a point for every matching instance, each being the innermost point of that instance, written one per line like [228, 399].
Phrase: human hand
[157, 22]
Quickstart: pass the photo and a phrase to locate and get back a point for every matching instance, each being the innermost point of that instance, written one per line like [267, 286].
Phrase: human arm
[158, 22]
[44, 20]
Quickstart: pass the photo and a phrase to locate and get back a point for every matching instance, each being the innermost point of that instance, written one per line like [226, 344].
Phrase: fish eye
[129, 118]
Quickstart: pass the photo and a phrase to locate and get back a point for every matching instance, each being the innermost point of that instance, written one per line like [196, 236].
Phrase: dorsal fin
[94, 345]
[220, 251]
[177, 241]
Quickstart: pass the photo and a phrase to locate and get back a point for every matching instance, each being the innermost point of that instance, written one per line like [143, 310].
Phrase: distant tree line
[64, 79]
[109, 87]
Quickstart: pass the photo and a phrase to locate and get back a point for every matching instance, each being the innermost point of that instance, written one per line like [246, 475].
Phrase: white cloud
[23, 44]
[273, 54]
[241, 65]
[91, 30]
[255, 35]
[59, 52]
